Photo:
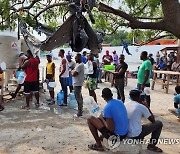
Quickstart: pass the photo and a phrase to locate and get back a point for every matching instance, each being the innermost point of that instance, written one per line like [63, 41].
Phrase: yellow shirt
[49, 69]
[1, 76]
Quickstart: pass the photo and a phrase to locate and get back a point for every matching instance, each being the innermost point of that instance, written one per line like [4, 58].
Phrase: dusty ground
[41, 131]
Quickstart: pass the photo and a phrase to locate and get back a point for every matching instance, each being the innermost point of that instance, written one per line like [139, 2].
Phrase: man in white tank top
[64, 74]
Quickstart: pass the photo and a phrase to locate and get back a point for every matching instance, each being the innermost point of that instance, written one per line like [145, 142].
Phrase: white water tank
[10, 47]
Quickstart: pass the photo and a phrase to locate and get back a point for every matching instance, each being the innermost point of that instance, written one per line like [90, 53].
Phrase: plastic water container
[147, 91]
[72, 103]
[52, 84]
[89, 68]
[21, 77]
[109, 67]
[60, 98]
[3, 66]
[17, 73]
[92, 106]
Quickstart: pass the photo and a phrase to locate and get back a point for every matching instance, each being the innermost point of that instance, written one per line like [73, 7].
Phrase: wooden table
[165, 83]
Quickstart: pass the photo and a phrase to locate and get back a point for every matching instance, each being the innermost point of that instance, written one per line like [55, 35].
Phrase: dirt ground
[41, 131]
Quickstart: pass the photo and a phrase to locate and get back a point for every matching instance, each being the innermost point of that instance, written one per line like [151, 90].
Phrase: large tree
[160, 17]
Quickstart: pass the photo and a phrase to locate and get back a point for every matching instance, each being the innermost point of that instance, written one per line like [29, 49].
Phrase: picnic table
[165, 83]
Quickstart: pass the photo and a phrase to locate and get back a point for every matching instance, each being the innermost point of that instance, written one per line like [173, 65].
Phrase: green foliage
[144, 8]
[116, 38]
[104, 21]
[5, 11]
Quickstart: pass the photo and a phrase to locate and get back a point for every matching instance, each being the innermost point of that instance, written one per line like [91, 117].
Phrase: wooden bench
[165, 83]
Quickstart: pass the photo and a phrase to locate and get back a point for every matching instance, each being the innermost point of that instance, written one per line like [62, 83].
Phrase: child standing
[50, 77]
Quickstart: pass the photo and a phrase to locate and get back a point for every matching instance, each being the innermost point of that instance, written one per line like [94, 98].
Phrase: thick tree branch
[133, 22]
[149, 18]
[50, 6]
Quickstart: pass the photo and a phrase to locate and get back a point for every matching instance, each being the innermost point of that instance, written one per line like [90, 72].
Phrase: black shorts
[31, 87]
[106, 133]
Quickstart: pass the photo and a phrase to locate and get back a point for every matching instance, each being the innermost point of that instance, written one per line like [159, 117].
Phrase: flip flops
[95, 147]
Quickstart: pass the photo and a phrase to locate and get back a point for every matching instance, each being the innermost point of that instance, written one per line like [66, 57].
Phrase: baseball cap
[107, 51]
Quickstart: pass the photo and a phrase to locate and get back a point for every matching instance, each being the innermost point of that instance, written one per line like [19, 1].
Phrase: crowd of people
[166, 62]
[118, 118]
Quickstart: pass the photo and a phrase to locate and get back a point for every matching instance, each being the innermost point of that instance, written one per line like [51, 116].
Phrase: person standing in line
[118, 77]
[158, 58]
[143, 76]
[136, 110]
[71, 66]
[78, 79]
[96, 59]
[107, 60]
[115, 58]
[31, 83]
[64, 74]
[150, 57]
[84, 57]
[92, 77]
[50, 77]
[22, 59]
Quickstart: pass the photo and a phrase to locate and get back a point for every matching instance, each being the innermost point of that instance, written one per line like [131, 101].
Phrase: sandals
[154, 148]
[25, 107]
[95, 147]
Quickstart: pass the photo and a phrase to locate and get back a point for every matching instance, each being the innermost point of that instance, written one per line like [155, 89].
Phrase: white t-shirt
[135, 113]
[66, 73]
